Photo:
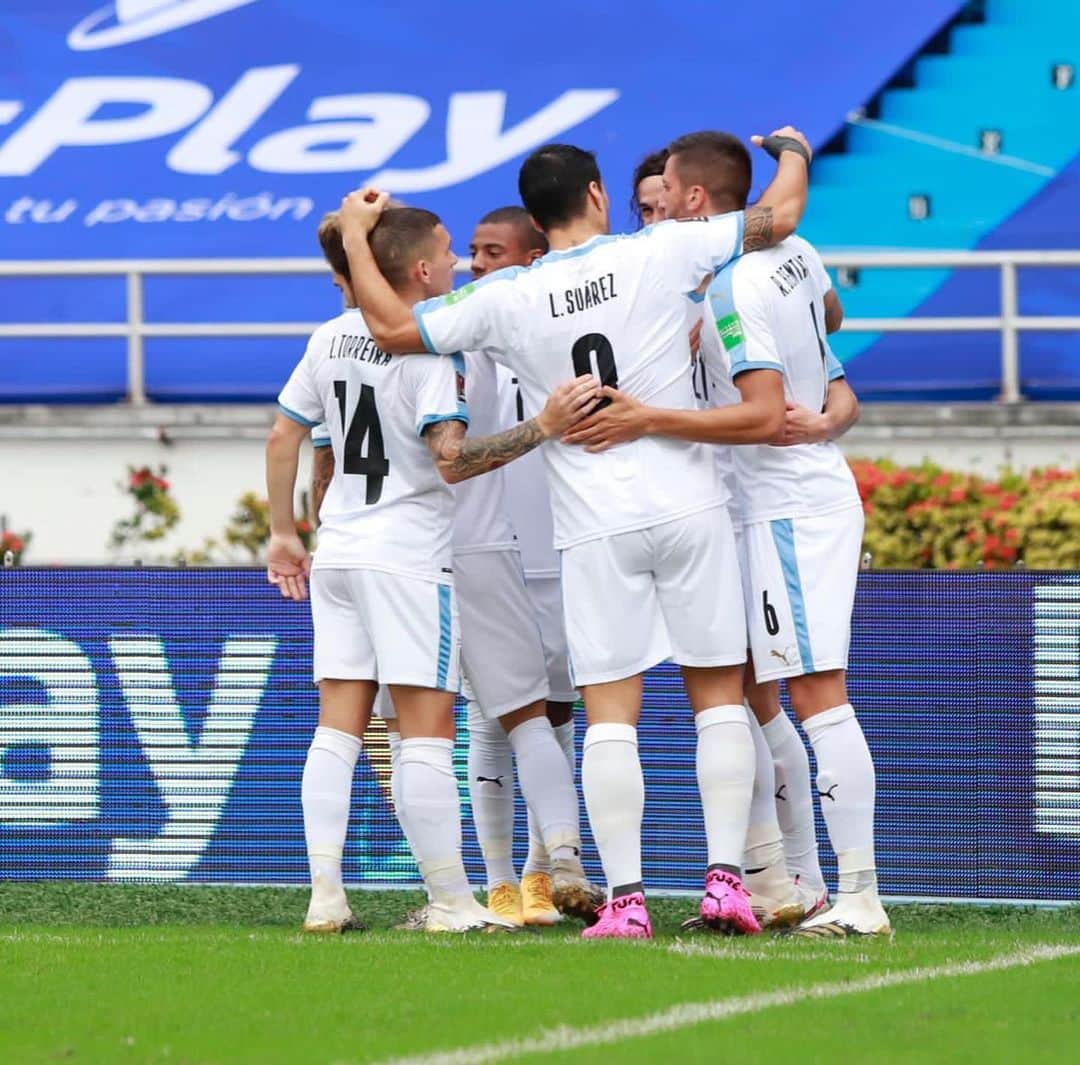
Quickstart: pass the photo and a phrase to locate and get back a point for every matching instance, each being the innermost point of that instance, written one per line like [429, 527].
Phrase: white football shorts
[502, 654]
[799, 584]
[546, 595]
[669, 591]
[372, 625]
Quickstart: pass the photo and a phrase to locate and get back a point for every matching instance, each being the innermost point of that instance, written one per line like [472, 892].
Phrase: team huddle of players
[677, 387]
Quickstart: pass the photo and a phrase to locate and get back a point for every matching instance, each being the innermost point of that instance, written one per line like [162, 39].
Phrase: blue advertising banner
[153, 128]
[154, 725]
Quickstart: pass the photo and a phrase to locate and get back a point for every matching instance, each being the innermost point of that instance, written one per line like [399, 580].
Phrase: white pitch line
[796, 952]
[563, 1038]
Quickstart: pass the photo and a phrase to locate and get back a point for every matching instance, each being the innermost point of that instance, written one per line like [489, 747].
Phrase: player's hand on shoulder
[786, 138]
[568, 404]
[802, 426]
[361, 209]
[623, 419]
[287, 566]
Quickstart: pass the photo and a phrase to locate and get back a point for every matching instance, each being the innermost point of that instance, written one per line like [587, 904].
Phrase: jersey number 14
[364, 427]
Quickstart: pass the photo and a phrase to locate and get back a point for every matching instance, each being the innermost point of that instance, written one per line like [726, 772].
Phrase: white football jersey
[481, 521]
[767, 311]
[703, 393]
[614, 306]
[528, 502]
[387, 507]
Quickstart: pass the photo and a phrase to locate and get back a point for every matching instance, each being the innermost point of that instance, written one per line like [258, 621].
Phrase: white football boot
[857, 913]
[464, 914]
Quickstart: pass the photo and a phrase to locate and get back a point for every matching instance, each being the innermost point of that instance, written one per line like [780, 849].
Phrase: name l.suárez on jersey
[585, 297]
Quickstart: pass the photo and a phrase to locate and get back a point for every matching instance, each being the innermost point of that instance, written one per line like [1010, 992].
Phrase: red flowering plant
[13, 546]
[156, 511]
[925, 517]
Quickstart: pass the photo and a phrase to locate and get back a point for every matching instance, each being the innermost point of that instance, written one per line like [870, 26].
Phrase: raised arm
[459, 457]
[776, 215]
[388, 317]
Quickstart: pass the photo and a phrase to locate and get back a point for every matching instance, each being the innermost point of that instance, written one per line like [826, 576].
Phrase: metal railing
[1008, 322]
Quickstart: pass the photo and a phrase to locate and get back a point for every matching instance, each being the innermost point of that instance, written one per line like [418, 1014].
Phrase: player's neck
[578, 231]
[411, 294]
[714, 207]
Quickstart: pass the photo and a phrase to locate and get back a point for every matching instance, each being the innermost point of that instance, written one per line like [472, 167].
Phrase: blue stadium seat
[995, 79]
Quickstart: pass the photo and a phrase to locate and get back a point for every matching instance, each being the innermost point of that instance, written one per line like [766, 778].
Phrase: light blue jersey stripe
[461, 415]
[721, 295]
[290, 413]
[743, 364]
[445, 633]
[740, 234]
[418, 314]
[783, 530]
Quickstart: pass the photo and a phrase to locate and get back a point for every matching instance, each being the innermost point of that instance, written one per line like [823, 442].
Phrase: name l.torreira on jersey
[584, 297]
[345, 346]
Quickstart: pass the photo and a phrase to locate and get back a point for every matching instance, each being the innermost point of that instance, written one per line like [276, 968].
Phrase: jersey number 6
[596, 346]
[772, 622]
[365, 423]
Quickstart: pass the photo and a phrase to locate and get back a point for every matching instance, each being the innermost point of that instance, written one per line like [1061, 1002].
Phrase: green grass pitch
[95, 973]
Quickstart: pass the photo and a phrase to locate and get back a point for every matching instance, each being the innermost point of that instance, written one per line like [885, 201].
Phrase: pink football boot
[726, 905]
[622, 918]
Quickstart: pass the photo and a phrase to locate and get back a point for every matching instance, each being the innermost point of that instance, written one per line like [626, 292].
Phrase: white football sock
[491, 792]
[794, 802]
[548, 786]
[428, 794]
[538, 860]
[325, 793]
[763, 860]
[393, 740]
[846, 787]
[725, 773]
[615, 799]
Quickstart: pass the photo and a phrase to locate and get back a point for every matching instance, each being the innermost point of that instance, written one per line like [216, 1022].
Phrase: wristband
[775, 145]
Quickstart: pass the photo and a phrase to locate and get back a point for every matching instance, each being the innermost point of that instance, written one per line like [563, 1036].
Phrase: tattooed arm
[459, 457]
[776, 215]
[322, 472]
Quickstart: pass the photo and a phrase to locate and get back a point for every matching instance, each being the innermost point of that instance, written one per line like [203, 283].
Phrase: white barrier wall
[60, 468]
[68, 492]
